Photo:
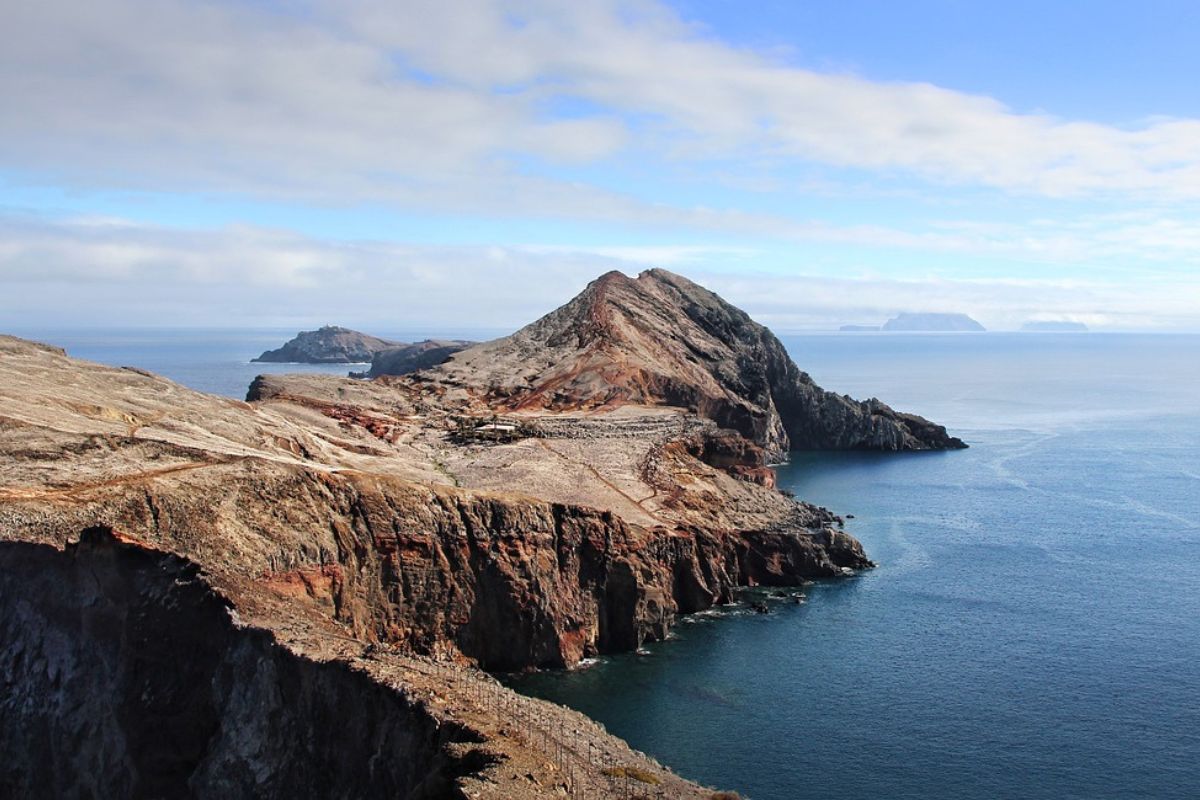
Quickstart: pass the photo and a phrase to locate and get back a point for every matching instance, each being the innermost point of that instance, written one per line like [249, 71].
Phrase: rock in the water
[328, 345]
[932, 323]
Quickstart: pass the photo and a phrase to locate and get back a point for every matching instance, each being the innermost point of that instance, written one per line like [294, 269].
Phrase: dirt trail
[16, 493]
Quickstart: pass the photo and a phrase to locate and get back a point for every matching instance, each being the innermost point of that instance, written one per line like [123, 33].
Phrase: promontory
[303, 594]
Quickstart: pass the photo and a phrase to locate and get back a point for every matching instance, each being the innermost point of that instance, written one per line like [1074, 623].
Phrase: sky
[387, 164]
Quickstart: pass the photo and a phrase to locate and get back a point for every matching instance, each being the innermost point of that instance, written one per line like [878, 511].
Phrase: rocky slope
[660, 339]
[407, 358]
[328, 345]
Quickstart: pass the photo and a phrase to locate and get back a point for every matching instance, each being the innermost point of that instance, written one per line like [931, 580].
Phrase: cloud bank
[114, 272]
[475, 102]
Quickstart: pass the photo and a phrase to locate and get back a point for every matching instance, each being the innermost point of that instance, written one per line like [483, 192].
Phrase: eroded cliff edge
[622, 481]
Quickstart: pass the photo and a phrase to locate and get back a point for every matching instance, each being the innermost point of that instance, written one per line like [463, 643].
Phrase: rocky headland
[406, 358]
[343, 560]
[328, 345]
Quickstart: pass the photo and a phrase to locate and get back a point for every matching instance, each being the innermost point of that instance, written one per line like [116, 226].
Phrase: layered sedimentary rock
[661, 339]
[328, 345]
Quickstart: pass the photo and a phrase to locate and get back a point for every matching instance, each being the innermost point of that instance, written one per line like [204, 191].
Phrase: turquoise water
[1033, 630]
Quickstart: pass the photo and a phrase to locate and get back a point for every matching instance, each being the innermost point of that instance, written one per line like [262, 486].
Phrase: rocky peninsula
[345, 560]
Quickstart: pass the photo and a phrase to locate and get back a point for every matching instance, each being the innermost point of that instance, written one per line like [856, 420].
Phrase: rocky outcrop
[928, 322]
[126, 675]
[403, 359]
[660, 339]
[328, 345]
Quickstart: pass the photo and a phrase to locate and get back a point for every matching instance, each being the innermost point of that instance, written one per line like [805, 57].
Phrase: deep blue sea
[1032, 631]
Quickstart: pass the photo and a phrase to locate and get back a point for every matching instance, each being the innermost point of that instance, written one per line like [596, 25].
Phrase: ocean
[1033, 627]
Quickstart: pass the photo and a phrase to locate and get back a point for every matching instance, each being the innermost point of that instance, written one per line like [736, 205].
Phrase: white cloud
[96, 271]
[446, 104]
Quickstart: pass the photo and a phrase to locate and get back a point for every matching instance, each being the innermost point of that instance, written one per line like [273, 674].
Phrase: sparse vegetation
[725, 796]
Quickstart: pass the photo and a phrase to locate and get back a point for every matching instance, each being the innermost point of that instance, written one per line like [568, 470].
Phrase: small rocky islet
[348, 558]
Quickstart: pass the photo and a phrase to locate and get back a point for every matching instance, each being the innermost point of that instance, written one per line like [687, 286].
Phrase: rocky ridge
[661, 339]
[407, 358]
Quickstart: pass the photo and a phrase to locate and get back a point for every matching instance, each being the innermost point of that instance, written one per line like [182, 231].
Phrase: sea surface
[1033, 627]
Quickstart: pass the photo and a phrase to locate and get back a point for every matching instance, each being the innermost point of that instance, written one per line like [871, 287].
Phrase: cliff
[339, 558]
[328, 345]
[357, 526]
[931, 323]
[660, 339]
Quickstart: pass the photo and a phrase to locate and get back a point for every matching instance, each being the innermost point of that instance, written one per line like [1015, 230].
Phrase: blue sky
[405, 164]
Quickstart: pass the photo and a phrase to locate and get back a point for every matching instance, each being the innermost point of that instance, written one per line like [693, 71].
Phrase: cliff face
[126, 676]
[328, 345]
[661, 339]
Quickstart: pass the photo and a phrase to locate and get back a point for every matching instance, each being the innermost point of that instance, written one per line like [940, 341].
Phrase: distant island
[1054, 326]
[328, 345]
[932, 322]
[858, 328]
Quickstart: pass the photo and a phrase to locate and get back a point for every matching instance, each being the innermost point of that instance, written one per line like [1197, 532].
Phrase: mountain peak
[661, 339]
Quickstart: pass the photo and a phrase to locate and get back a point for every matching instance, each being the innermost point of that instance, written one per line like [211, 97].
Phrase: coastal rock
[660, 339]
[328, 345]
[406, 358]
[928, 322]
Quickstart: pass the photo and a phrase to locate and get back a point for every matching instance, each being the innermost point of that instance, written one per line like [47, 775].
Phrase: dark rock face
[932, 323]
[408, 358]
[661, 339]
[328, 345]
[125, 675]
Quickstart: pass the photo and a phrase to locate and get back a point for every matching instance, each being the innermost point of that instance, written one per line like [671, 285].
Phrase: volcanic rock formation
[660, 339]
[406, 358]
[328, 345]
[177, 568]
